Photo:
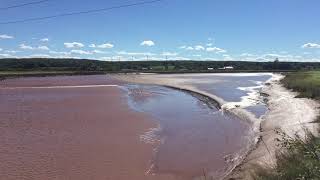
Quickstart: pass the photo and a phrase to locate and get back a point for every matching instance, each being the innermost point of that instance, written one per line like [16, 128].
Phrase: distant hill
[43, 64]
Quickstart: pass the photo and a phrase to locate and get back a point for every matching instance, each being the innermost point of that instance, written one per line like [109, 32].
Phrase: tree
[276, 63]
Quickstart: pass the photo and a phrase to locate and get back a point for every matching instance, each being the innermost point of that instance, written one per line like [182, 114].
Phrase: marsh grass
[306, 83]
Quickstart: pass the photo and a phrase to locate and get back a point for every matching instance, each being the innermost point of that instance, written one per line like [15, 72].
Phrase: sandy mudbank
[291, 115]
[286, 113]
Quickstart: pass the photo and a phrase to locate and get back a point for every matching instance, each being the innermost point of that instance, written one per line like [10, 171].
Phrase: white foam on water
[252, 98]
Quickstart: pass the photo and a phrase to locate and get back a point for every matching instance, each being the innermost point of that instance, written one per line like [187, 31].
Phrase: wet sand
[286, 113]
[72, 133]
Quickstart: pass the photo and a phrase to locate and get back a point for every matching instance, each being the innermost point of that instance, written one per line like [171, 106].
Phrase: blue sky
[252, 30]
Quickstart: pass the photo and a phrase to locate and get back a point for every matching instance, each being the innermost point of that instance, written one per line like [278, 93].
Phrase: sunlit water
[194, 137]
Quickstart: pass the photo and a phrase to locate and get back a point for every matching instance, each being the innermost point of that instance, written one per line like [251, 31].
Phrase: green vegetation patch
[306, 83]
[44, 64]
[300, 161]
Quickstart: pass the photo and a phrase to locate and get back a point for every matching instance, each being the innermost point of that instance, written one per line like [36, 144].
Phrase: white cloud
[11, 51]
[216, 50]
[43, 48]
[4, 36]
[76, 51]
[199, 48]
[227, 57]
[246, 55]
[80, 52]
[23, 46]
[99, 52]
[147, 43]
[182, 58]
[59, 53]
[135, 53]
[190, 48]
[273, 56]
[73, 45]
[1, 49]
[113, 58]
[27, 47]
[186, 48]
[6, 55]
[106, 46]
[102, 46]
[311, 46]
[169, 54]
[209, 44]
[197, 55]
[44, 40]
[40, 56]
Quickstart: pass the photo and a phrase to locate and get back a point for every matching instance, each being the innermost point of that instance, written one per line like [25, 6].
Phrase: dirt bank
[286, 113]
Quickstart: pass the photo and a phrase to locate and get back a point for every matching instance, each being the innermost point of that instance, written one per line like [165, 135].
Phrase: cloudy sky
[252, 30]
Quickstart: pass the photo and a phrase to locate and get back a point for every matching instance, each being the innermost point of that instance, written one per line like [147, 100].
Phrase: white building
[227, 68]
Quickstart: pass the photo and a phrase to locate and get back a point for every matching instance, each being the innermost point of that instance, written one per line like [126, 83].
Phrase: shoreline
[219, 103]
[264, 148]
[287, 114]
[233, 159]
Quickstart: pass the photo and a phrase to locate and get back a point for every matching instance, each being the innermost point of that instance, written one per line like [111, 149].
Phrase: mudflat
[71, 133]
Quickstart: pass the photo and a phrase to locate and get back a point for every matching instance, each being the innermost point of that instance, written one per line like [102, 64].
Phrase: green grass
[300, 159]
[306, 83]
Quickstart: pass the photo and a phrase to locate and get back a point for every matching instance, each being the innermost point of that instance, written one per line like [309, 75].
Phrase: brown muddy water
[73, 128]
[71, 133]
[195, 138]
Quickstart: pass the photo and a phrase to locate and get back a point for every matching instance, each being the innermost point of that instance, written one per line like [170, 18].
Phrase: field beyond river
[129, 126]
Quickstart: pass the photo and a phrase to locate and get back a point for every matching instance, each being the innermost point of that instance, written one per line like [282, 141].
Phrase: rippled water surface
[195, 136]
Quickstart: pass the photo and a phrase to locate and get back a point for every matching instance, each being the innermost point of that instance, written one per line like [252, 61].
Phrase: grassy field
[300, 160]
[307, 83]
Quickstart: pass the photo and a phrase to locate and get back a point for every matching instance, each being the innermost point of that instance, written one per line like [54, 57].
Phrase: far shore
[42, 73]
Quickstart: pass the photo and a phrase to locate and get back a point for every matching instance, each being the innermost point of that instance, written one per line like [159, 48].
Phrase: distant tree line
[43, 64]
